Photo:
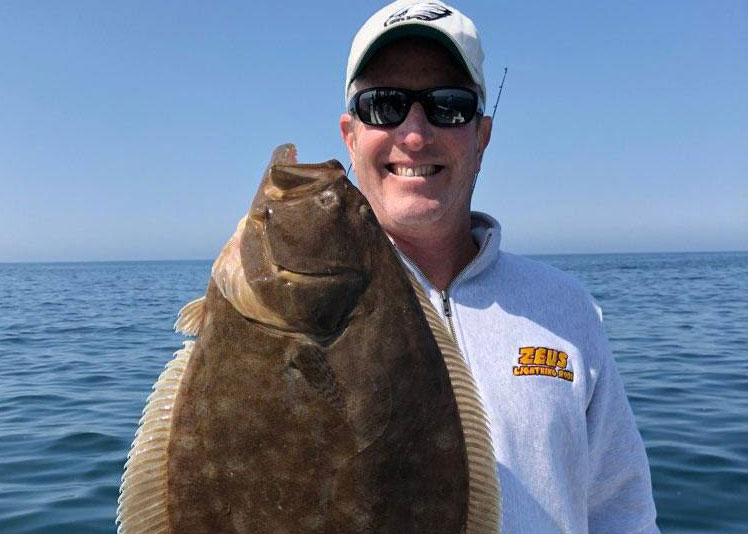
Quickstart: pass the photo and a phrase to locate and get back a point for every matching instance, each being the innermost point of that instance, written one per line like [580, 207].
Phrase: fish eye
[328, 199]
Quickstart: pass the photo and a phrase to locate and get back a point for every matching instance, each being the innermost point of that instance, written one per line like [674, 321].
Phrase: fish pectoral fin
[312, 363]
[364, 402]
[369, 406]
[190, 317]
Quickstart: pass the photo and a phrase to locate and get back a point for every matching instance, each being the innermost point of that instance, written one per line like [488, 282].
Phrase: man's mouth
[421, 170]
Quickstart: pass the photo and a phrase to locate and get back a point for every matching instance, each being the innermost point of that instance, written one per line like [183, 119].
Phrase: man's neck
[439, 257]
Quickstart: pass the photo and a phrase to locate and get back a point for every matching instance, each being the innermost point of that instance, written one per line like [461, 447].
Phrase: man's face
[443, 161]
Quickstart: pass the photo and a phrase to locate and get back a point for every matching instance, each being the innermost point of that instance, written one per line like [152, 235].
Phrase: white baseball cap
[431, 19]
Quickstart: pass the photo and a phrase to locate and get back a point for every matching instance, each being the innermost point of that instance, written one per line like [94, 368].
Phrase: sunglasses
[388, 106]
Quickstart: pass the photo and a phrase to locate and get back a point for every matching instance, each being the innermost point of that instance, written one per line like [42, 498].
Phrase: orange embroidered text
[542, 361]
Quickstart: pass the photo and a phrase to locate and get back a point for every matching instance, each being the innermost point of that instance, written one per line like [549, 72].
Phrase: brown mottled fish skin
[330, 410]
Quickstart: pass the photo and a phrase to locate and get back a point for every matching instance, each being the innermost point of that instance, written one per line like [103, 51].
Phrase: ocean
[82, 343]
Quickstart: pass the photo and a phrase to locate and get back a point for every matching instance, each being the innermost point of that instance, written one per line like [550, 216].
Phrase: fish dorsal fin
[484, 501]
[142, 503]
[228, 274]
[190, 317]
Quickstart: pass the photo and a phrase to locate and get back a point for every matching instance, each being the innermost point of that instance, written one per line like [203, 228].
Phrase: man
[569, 456]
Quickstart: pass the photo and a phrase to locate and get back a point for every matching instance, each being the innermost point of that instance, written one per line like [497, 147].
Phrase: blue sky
[139, 130]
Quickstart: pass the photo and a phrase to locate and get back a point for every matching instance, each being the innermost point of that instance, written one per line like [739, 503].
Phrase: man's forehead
[413, 59]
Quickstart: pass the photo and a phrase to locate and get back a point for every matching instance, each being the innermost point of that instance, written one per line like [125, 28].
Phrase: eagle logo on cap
[426, 11]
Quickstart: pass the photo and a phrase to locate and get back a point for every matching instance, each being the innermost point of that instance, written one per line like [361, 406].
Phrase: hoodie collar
[486, 232]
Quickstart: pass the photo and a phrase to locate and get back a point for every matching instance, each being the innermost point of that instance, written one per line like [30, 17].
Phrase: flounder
[322, 393]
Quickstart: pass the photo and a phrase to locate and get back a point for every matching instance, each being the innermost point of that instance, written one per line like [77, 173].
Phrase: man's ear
[484, 136]
[347, 133]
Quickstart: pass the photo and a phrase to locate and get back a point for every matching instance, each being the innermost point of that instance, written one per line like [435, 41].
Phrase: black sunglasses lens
[382, 107]
[450, 106]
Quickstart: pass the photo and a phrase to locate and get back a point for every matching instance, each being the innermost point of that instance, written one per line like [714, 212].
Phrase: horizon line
[32, 262]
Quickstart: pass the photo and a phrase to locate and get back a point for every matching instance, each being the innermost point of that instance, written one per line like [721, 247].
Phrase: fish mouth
[333, 275]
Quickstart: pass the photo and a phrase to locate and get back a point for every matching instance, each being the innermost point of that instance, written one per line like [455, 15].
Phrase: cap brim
[410, 30]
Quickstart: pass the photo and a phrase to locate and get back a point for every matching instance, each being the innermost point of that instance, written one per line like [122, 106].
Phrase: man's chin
[418, 214]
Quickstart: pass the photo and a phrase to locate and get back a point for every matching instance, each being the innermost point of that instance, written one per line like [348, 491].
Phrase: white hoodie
[570, 458]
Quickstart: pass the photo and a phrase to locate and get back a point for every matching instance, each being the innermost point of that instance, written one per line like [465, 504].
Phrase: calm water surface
[82, 343]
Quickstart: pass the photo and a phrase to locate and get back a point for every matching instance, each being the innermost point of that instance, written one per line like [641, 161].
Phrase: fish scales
[318, 395]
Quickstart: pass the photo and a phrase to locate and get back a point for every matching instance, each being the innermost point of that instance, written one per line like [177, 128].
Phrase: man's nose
[416, 131]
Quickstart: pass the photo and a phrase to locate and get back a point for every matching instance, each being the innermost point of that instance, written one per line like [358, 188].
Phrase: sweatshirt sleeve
[620, 489]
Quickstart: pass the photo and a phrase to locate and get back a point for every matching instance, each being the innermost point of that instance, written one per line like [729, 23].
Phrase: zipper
[445, 293]
[446, 307]
[448, 314]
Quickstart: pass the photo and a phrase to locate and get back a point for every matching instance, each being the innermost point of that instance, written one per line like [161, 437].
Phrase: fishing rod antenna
[496, 105]
[501, 88]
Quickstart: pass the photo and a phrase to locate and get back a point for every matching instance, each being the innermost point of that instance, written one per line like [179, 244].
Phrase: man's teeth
[424, 170]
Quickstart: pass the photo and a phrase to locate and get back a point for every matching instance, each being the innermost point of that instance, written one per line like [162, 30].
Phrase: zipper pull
[445, 304]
